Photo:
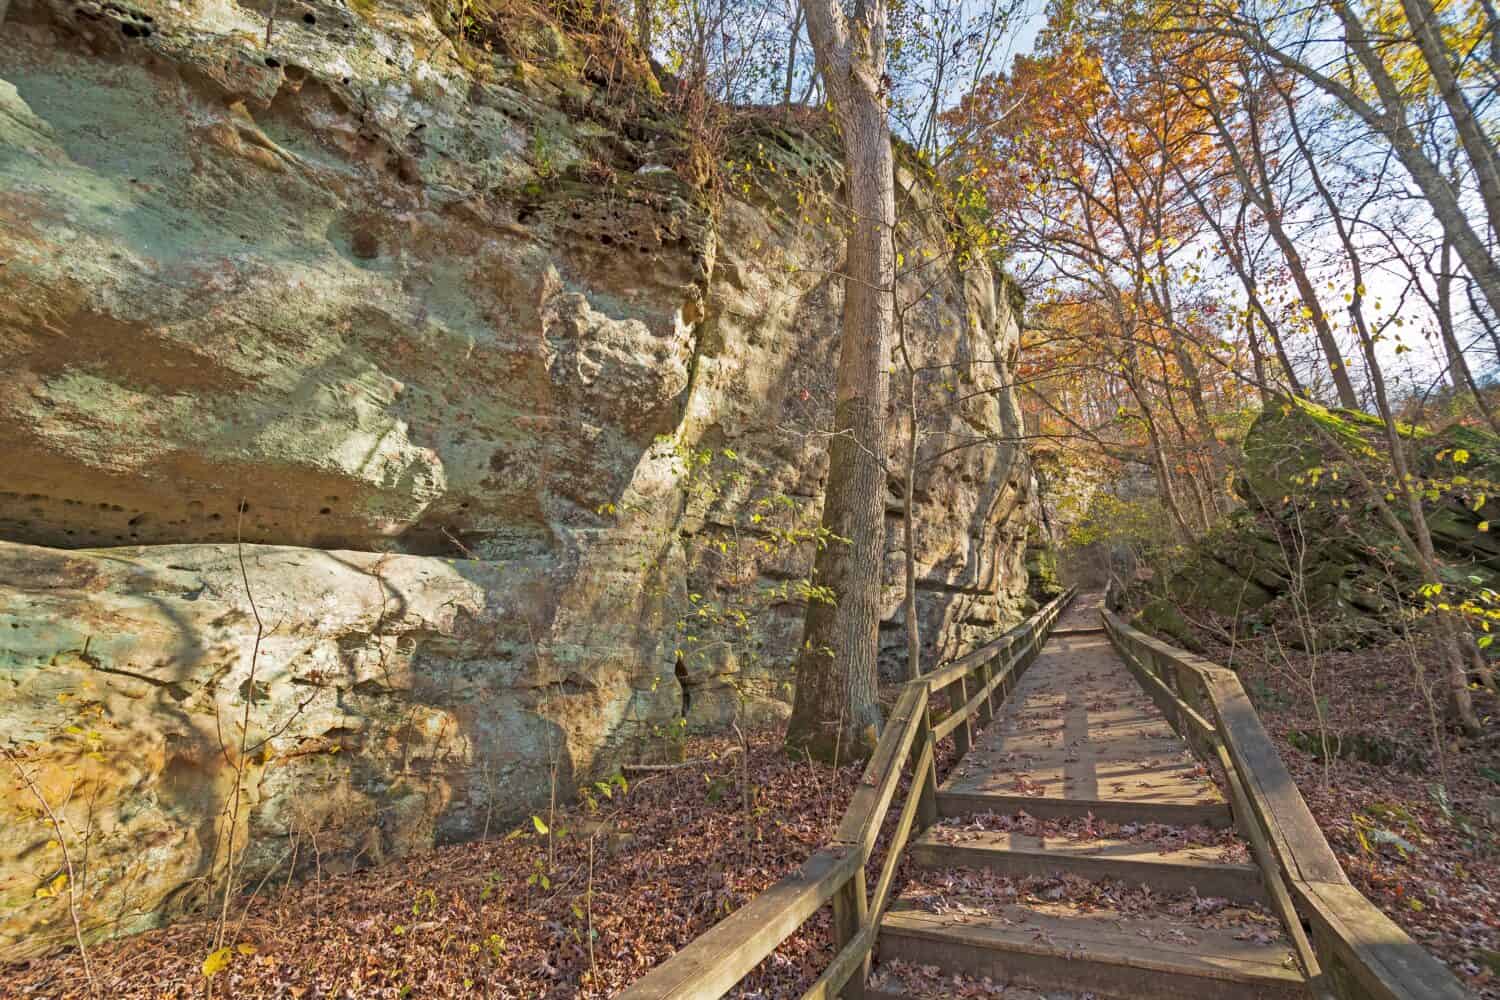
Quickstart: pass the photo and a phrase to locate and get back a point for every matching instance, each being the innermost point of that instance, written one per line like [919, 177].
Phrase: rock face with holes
[387, 423]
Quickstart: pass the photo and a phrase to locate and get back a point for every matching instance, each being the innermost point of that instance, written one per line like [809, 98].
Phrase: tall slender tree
[836, 670]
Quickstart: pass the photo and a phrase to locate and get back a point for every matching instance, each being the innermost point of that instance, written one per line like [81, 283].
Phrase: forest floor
[510, 917]
[1412, 813]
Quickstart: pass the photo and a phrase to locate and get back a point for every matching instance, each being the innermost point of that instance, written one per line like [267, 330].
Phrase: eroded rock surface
[521, 439]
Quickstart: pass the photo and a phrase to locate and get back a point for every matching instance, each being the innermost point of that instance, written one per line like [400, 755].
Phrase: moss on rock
[1311, 555]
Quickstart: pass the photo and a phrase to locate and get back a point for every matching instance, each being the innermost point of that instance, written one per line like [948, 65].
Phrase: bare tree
[1292, 40]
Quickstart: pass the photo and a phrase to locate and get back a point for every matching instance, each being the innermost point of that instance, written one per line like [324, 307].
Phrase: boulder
[1310, 555]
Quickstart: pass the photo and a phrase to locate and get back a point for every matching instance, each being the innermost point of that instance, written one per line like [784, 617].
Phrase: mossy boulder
[1312, 555]
[1041, 570]
[1161, 617]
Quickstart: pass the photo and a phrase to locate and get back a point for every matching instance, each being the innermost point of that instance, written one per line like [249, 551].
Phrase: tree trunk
[1257, 360]
[1419, 542]
[1390, 122]
[643, 32]
[1257, 186]
[1309, 295]
[1484, 321]
[1159, 462]
[909, 534]
[1477, 146]
[791, 61]
[1237, 259]
[836, 669]
[1458, 366]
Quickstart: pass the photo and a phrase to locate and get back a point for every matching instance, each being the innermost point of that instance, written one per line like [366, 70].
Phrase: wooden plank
[1102, 952]
[927, 810]
[1157, 648]
[963, 733]
[849, 918]
[1189, 724]
[975, 657]
[1362, 952]
[1384, 963]
[867, 808]
[986, 709]
[947, 726]
[1192, 688]
[1038, 624]
[998, 677]
[1294, 835]
[1191, 869]
[952, 671]
[1215, 814]
[974, 706]
[963, 715]
[1273, 795]
[717, 959]
[944, 676]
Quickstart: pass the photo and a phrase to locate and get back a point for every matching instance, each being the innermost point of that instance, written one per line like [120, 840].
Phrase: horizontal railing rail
[712, 963]
[1355, 951]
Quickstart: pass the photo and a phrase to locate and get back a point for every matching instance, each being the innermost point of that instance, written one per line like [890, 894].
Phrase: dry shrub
[586, 38]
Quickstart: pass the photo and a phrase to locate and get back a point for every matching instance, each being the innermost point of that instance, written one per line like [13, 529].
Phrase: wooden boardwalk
[1077, 851]
[1083, 851]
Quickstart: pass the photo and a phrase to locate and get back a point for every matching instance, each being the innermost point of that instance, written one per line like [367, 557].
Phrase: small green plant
[539, 877]
[543, 151]
[489, 886]
[427, 897]
[604, 789]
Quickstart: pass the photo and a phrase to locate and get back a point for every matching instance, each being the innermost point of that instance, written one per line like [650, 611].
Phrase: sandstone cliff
[519, 431]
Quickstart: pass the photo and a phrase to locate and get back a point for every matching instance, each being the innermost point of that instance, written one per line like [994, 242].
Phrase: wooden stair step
[1012, 993]
[1191, 869]
[1214, 814]
[1100, 951]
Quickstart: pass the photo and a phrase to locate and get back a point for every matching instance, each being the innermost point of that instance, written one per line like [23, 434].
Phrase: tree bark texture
[836, 669]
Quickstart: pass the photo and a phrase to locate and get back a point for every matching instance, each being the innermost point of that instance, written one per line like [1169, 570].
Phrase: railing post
[1335, 979]
[963, 736]
[1192, 688]
[927, 783]
[849, 915]
[1147, 659]
[986, 707]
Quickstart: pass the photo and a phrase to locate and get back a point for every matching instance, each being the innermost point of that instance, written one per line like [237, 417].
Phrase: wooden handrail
[717, 959]
[872, 798]
[952, 671]
[1356, 951]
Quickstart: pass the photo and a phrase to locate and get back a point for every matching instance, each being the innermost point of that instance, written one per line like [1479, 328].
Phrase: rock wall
[386, 423]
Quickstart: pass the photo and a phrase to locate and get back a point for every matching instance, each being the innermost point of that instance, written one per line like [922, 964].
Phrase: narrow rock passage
[1083, 850]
